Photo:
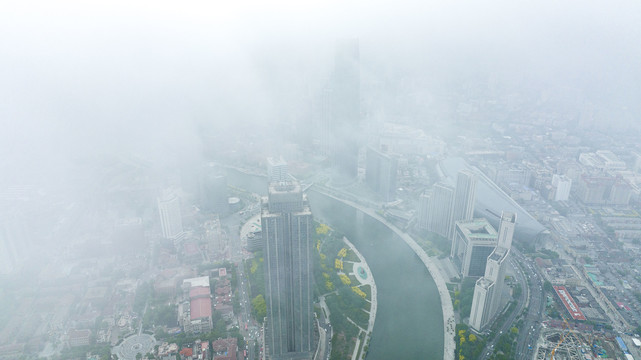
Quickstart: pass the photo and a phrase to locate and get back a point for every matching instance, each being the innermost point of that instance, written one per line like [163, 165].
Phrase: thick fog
[81, 79]
[109, 107]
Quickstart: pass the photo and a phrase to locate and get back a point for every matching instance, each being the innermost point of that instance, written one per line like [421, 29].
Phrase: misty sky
[84, 77]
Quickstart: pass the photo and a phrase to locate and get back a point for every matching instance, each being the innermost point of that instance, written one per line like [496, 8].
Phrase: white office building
[488, 290]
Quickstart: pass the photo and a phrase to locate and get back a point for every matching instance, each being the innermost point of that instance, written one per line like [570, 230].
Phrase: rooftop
[199, 281]
[199, 291]
[477, 229]
[200, 308]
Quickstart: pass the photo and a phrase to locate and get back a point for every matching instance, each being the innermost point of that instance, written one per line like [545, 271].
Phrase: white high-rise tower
[170, 218]
[489, 289]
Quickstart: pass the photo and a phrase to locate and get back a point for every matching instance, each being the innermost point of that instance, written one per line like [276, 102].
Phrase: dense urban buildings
[286, 229]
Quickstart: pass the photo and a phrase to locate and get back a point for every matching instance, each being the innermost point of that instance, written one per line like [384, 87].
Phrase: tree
[259, 307]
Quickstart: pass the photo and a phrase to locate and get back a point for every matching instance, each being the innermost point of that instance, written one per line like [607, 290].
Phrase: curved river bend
[409, 319]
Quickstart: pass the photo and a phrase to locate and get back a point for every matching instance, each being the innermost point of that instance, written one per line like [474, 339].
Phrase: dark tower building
[345, 107]
[286, 230]
[380, 173]
[213, 190]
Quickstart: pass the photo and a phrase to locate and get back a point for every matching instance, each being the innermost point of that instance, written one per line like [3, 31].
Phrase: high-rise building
[170, 218]
[603, 189]
[277, 170]
[441, 209]
[474, 240]
[380, 173]
[345, 107]
[488, 290]
[423, 215]
[464, 198]
[435, 209]
[561, 185]
[212, 190]
[286, 230]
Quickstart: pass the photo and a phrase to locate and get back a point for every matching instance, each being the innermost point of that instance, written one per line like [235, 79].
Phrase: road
[248, 327]
[325, 331]
[529, 331]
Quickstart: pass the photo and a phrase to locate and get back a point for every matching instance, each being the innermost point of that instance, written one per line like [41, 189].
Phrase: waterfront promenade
[368, 280]
[449, 324]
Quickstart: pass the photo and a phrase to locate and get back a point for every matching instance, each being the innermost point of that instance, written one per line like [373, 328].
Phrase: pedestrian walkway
[364, 276]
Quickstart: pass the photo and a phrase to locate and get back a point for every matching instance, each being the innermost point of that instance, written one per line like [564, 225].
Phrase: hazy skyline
[141, 78]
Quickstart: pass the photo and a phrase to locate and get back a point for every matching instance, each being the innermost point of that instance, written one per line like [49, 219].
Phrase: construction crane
[567, 326]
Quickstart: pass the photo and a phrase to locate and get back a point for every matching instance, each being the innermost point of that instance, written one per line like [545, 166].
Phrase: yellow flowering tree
[329, 285]
[345, 279]
[359, 292]
[322, 229]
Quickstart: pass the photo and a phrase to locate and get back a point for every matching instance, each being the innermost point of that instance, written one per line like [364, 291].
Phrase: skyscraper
[286, 228]
[423, 215]
[345, 107]
[213, 190]
[489, 289]
[170, 217]
[464, 198]
[440, 209]
[380, 173]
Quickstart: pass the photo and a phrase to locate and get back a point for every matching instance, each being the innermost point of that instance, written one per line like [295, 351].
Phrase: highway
[529, 331]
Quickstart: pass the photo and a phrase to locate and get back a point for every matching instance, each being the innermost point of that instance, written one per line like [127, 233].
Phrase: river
[409, 320]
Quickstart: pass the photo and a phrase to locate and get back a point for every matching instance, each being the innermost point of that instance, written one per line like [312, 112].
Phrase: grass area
[468, 345]
[351, 256]
[354, 280]
[346, 300]
[367, 289]
[433, 243]
[462, 299]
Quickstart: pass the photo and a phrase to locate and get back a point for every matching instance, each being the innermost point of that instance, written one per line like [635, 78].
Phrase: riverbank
[431, 265]
[368, 280]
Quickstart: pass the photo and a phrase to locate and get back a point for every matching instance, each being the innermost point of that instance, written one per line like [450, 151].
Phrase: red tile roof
[200, 308]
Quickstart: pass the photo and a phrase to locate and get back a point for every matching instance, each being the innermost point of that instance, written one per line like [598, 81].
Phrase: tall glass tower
[286, 225]
[464, 199]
